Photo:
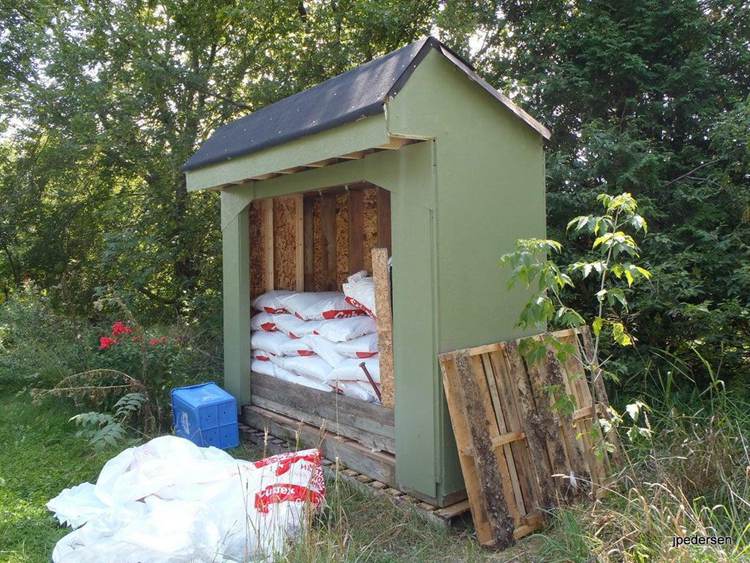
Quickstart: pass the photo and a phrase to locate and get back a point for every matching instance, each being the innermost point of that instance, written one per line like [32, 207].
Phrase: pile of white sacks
[320, 339]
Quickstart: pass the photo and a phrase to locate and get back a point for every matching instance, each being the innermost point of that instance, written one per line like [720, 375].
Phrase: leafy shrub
[37, 346]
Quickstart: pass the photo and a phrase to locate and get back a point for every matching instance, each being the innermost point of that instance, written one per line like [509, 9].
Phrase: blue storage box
[206, 415]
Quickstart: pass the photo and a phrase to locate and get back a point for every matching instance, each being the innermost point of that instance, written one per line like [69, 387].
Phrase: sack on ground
[169, 500]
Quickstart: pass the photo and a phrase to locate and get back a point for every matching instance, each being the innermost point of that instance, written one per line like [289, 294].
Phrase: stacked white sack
[315, 339]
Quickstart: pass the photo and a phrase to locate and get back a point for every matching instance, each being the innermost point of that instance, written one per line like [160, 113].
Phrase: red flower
[106, 342]
[120, 328]
[157, 341]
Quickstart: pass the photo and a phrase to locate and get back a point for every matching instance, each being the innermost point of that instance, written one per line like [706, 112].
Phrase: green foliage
[548, 306]
[104, 429]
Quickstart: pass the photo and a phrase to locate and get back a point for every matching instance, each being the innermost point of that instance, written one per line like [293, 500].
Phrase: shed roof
[350, 96]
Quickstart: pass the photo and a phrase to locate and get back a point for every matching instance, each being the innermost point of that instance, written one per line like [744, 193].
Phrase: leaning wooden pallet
[519, 453]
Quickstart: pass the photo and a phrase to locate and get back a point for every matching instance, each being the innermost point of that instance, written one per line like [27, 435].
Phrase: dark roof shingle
[350, 96]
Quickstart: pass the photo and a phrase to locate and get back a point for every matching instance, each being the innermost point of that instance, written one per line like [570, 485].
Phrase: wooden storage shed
[412, 152]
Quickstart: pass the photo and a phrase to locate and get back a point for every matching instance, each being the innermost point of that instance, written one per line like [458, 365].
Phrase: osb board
[519, 454]
[342, 238]
[256, 251]
[370, 225]
[318, 277]
[285, 242]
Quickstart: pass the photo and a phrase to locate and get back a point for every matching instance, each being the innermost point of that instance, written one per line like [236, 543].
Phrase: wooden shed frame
[465, 171]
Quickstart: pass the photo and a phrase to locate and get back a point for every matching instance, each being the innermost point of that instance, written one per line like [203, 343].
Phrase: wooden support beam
[395, 143]
[299, 242]
[266, 230]
[382, 279]
[308, 244]
[353, 155]
[383, 203]
[356, 230]
[328, 227]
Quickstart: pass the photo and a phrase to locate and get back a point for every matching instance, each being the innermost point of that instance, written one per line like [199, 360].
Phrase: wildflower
[106, 342]
[157, 341]
[120, 328]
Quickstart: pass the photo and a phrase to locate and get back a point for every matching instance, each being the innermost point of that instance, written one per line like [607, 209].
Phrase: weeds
[690, 478]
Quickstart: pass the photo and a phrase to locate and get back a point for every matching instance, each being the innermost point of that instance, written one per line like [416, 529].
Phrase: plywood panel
[319, 239]
[285, 242]
[342, 238]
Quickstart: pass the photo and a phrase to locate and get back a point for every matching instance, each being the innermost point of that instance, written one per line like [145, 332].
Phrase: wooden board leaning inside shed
[518, 454]
[313, 242]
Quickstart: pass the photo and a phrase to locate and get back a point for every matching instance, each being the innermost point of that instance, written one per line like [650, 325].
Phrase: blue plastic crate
[206, 415]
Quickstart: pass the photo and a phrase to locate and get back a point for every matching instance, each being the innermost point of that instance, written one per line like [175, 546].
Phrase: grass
[40, 456]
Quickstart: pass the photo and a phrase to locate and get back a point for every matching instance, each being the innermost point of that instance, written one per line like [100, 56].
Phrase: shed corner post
[236, 295]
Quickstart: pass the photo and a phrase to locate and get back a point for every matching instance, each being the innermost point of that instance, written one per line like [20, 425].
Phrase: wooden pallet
[445, 516]
[519, 455]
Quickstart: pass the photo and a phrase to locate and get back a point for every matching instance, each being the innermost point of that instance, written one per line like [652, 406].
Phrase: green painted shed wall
[457, 203]
[489, 192]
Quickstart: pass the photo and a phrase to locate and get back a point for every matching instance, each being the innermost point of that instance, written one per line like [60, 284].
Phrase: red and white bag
[290, 377]
[325, 349]
[363, 347]
[311, 306]
[341, 330]
[262, 321]
[263, 367]
[350, 370]
[307, 366]
[295, 327]
[296, 347]
[270, 302]
[359, 290]
[269, 341]
[262, 356]
[358, 390]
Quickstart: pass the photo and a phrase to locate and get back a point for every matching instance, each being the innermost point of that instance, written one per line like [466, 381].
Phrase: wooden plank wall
[517, 452]
[314, 241]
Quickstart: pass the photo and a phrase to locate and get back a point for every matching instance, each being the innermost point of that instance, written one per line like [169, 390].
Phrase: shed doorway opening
[308, 383]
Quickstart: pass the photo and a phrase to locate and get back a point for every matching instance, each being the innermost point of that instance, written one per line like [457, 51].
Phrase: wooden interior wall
[314, 241]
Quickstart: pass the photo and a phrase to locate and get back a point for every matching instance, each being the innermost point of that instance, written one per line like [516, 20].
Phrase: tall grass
[692, 477]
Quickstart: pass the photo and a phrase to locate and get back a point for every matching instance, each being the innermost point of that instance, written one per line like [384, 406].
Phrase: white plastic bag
[360, 292]
[263, 367]
[285, 375]
[358, 390]
[325, 349]
[270, 302]
[308, 366]
[363, 347]
[341, 330]
[350, 370]
[262, 321]
[269, 341]
[296, 347]
[171, 501]
[294, 327]
[262, 355]
[311, 306]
